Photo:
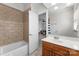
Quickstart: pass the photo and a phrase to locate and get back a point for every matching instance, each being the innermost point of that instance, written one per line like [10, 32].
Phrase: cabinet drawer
[54, 46]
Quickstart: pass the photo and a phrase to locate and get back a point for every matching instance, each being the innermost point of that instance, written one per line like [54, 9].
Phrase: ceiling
[19, 6]
[51, 7]
[56, 6]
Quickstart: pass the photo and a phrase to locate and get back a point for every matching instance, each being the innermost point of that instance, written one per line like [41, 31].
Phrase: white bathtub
[15, 49]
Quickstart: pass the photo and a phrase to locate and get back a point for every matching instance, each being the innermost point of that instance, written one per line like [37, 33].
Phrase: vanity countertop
[68, 42]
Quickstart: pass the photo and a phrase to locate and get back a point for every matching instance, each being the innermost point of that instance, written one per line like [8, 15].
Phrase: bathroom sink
[55, 38]
[58, 39]
[68, 43]
[64, 42]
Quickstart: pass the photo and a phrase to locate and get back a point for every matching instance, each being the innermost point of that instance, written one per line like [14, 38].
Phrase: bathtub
[15, 49]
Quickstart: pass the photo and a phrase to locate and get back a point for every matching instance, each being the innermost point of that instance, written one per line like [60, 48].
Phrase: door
[33, 32]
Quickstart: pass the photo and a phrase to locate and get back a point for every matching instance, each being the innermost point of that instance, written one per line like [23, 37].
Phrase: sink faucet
[56, 37]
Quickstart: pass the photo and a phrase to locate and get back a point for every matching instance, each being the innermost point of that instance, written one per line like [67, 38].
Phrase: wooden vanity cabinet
[50, 49]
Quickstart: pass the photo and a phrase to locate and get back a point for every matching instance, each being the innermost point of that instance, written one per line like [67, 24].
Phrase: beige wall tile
[11, 25]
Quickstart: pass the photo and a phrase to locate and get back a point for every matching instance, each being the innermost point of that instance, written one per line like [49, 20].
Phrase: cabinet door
[54, 50]
[60, 52]
[45, 51]
[74, 52]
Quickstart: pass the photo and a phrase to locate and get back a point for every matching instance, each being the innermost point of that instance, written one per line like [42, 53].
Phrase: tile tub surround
[11, 25]
[26, 25]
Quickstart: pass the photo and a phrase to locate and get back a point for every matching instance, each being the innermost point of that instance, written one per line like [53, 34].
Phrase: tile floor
[38, 52]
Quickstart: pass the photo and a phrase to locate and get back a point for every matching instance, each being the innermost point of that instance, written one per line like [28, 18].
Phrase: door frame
[45, 11]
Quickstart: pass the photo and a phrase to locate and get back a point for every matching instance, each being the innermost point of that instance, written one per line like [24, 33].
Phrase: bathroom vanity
[60, 46]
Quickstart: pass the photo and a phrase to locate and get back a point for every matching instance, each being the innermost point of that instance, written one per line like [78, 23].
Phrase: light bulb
[55, 7]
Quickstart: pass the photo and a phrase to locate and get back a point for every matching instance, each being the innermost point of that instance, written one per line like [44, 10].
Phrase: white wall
[63, 20]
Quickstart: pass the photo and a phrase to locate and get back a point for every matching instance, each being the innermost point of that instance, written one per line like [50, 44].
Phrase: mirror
[63, 19]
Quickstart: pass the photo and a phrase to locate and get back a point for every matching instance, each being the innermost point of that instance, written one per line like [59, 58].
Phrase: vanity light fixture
[75, 25]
